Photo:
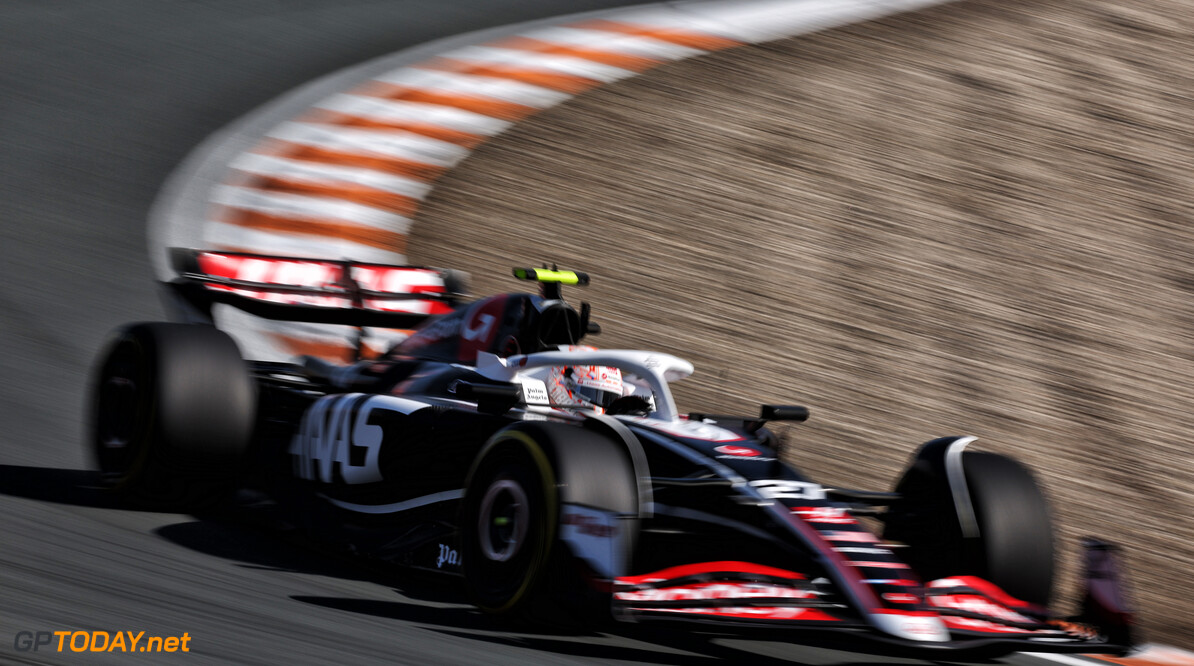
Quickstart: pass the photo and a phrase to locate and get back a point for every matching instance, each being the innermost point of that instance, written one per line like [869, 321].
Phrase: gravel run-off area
[969, 220]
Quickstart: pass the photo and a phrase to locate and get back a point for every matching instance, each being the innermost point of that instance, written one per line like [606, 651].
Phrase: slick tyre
[172, 412]
[1010, 542]
[515, 563]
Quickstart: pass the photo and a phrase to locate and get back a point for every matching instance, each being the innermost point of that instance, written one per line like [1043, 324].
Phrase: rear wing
[318, 291]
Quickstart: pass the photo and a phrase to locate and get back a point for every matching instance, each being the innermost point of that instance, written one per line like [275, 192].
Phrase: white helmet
[594, 386]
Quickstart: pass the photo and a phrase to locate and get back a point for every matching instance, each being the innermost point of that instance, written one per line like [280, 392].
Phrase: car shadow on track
[254, 538]
[468, 624]
[662, 644]
[438, 604]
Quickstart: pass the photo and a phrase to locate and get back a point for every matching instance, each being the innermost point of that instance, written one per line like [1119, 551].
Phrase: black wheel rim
[503, 520]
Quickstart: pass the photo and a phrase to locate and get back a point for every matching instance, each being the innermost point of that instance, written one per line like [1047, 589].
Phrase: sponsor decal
[447, 556]
[743, 451]
[534, 392]
[983, 587]
[973, 603]
[99, 641]
[592, 536]
[783, 489]
[261, 271]
[901, 598]
[851, 537]
[394, 280]
[589, 525]
[722, 567]
[598, 377]
[337, 435]
[864, 551]
[324, 275]
[971, 624]
[913, 625]
[731, 452]
[918, 628]
[753, 613]
[880, 565]
[480, 327]
[824, 514]
[707, 591]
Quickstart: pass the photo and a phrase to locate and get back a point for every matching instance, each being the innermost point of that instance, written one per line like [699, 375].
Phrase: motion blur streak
[417, 121]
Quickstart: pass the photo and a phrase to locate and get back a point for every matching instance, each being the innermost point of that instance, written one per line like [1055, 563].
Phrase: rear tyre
[173, 409]
[514, 563]
[1013, 544]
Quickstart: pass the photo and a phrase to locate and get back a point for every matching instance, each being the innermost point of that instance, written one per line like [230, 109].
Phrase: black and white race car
[562, 480]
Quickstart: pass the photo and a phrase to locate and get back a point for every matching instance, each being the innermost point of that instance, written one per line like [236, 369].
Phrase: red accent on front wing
[989, 590]
[983, 626]
[879, 565]
[759, 613]
[641, 599]
[686, 570]
[979, 605]
[866, 597]
[719, 590]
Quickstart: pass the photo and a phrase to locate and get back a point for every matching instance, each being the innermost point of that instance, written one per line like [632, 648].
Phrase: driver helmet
[593, 386]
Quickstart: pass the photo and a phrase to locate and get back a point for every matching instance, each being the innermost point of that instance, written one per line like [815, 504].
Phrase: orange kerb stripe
[379, 238]
[631, 62]
[396, 166]
[361, 194]
[486, 106]
[553, 81]
[331, 351]
[465, 139]
[693, 40]
[1142, 661]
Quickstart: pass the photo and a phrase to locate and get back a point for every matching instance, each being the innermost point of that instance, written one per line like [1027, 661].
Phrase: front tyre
[508, 525]
[994, 523]
[526, 483]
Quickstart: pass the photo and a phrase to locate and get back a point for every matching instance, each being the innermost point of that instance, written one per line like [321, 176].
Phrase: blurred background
[972, 219]
[967, 220]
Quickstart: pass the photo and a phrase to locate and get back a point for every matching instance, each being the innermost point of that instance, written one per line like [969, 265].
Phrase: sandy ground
[968, 220]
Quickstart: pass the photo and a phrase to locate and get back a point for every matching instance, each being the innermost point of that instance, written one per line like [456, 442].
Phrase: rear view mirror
[783, 413]
[491, 398]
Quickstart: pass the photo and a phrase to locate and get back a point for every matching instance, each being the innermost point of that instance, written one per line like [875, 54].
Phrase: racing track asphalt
[100, 101]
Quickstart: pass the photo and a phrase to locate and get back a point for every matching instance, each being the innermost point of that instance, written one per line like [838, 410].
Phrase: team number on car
[337, 435]
[783, 489]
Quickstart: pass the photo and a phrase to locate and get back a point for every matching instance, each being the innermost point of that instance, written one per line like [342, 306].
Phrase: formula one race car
[561, 480]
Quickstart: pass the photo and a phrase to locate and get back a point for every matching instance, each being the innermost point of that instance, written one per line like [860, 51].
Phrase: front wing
[974, 614]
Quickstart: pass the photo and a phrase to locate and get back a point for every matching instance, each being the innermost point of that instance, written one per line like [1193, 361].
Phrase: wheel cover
[503, 519]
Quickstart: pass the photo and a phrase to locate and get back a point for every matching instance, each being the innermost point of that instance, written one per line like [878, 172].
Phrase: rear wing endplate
[318, 291]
